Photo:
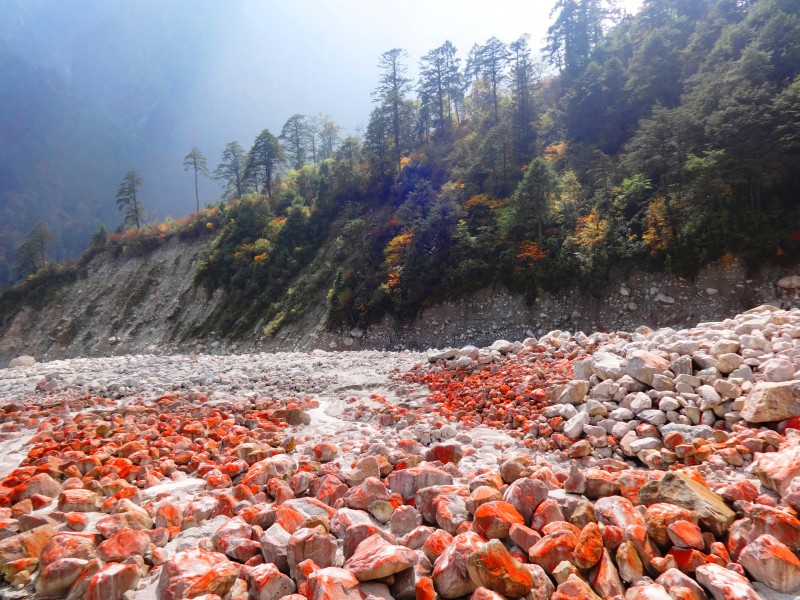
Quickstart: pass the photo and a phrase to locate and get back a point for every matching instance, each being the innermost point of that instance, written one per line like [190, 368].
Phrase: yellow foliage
[396, 248]
[275, 225]
[209, 225]
[728, 261]
[591, 230]
[163, 228]
[658, 235]
[405, 161]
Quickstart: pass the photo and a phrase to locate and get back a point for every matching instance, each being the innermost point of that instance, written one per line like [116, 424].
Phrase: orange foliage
[556, 153]
[260, 257]
[530, 252]
[485, 200]
[394, 279]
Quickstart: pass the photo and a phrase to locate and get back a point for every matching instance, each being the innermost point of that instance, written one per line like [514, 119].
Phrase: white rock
[22, 361]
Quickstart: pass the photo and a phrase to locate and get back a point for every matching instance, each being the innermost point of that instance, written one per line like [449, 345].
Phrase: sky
[321, 56]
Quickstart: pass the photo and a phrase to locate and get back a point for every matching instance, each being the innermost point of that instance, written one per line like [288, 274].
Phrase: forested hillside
[666, 139]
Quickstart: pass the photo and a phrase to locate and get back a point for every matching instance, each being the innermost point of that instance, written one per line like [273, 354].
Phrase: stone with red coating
[617, 511]
[184, 569]
[266, 582]
[526, 495]
[78, 500]
[659, 516]
[333, 583]
[589, 549]
[126, 542]
[493, 520]
[685, 534]
[674, 580]
[450, 575]
[436, 543]
[364, 494]
[112, 581]
[725, 584]
[408, 482]
[41, 484]
[311, 544]
[605, 578]
[772, 563]
[376, 558]
[492, 566]
[552, 549]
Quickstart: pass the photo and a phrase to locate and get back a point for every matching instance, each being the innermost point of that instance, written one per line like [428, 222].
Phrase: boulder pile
[646, 465]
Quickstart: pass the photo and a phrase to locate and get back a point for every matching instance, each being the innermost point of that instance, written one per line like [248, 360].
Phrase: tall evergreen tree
[295, 139]
[440, 84]
[522, 81]
[576, 31]
[30, 255]
[129, 204]
[196, 161]
[263, 161]
[390, 95]
[232, 169]
[490, 62]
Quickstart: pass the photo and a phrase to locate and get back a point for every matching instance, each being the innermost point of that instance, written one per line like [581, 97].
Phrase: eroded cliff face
[149, 304]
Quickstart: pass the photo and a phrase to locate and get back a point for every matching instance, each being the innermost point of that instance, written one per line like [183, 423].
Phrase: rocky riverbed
[639, 465]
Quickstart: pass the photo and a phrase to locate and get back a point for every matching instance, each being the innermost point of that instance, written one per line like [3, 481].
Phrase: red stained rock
[658, 517]
[652, 591]
[325, 452]
[436, 543]
[266, 582]
[264, 470]
[483, 593]
[364, 494]
[685, 534]
[628, 562]
[185, 569]
[376, 558]
[775, 522]
[311, 544]
[302, 512]
[333, 583]
[547, 512]
[112, 581]
[589, 549]
[725, 584]
[126, 542]
[680, 585]
[552, 549]
[492, 566]
[40, 484]
[56, 577]
[574, 588]
[28, 544]
[769, 561]
[493, 520]
[481, 495]
[78, 500]
[524, 537]
[450, 576]
[617, 511]
[168, 515]
[605, 578]
[408, 482]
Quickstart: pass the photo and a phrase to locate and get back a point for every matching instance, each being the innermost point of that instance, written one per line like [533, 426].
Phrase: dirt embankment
[149, 304]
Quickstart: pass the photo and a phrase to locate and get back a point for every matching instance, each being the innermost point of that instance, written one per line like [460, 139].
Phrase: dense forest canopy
[669, 138]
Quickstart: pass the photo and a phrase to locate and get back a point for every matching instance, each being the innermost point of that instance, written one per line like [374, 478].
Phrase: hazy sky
[308, 57]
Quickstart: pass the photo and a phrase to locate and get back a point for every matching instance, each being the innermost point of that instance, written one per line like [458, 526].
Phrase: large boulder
[772, 401]
[674, 488]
